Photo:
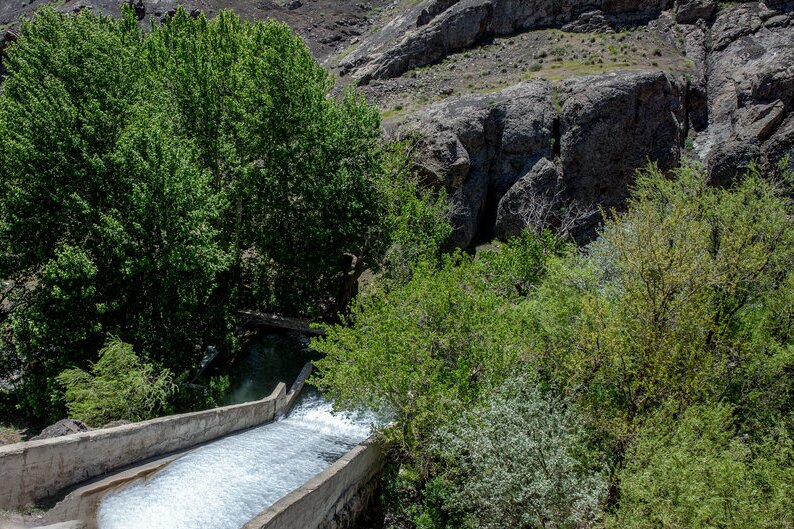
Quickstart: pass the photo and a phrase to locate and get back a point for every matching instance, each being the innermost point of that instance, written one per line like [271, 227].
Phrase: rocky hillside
[327, 26]
[522, 109]
[681, 79]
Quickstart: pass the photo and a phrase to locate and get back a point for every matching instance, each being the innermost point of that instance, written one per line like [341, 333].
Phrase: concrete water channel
[226, 483]
[282, 461]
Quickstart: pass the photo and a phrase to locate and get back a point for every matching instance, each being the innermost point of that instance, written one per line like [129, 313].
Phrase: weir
[310, 469]
[228, 482]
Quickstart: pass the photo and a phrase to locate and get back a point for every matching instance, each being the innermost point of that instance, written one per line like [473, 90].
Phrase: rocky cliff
[433, 28]
[528, 110]
[577, 142]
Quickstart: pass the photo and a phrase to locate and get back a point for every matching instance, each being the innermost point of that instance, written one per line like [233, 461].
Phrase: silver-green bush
[522, 463]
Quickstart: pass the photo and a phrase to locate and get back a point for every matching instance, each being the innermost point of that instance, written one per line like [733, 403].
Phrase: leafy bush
[514, 269]
[423, 351]
[522, 462]
[676, 300]
[119, 386]
[695, 472]
[418, 220]
[194, 395]
[426, 350]
[685, 300]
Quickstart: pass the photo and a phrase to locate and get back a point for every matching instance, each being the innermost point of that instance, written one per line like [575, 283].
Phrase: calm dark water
[270, 359]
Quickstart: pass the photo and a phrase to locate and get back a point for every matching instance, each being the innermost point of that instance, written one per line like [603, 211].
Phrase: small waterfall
[224, 484]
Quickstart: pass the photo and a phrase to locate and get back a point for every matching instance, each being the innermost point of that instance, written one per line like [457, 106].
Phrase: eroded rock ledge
[579, 141]
[433, 28]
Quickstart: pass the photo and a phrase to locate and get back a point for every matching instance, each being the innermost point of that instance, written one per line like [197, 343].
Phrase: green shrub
[194, 395]
[685, 299]
[119, 386]
[670, 302]
[417, 221]
[513, 269]
[694, 472]
[423, 351]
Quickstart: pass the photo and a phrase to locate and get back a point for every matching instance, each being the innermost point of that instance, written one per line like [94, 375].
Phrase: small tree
[119, 386]
[429, 348]
[677, 299]
[424, 351]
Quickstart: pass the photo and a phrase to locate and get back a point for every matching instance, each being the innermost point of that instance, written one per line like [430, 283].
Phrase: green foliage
[417, 220]
[684, 301]
[670, 301]
[154, 182]
[522, 462]
[301, 174]
[695, 472]
[423, 351]
[670, 337]
[120, 386]
[192, 396]
[108, 225]
[514, 269]
[412, 501]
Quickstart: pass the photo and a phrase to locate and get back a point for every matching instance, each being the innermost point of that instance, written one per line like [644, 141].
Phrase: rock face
[327, 26]
[750, 89]
[433, 28]
[479, 147]
[529, 202]
[503, 157]
[612, 125]
[61, 428]
[689, 11]
[579, 142]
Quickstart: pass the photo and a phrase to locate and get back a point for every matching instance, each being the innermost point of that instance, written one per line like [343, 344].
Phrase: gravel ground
[549, 54]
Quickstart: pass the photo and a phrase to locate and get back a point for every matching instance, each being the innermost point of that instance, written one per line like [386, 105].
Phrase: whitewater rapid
[224, 484]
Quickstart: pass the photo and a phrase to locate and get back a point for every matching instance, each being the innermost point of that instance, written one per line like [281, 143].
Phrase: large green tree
[301, 174]
[108, 223]
[154, 182]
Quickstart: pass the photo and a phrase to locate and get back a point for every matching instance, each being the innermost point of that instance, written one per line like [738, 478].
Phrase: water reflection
[272, 358]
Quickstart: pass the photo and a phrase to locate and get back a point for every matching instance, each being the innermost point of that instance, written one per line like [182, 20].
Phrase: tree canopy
[153, 182]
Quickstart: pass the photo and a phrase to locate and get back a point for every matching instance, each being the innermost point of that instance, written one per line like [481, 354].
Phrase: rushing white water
[226, 483]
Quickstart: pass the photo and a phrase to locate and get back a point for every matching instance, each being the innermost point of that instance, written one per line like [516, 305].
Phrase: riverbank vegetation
[643, 381]
[154, 182]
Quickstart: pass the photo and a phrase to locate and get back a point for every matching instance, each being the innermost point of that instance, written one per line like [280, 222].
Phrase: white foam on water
[226, 483]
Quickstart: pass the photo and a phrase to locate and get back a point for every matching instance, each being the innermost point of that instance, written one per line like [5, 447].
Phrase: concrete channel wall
[333, 499]
[35, 470]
